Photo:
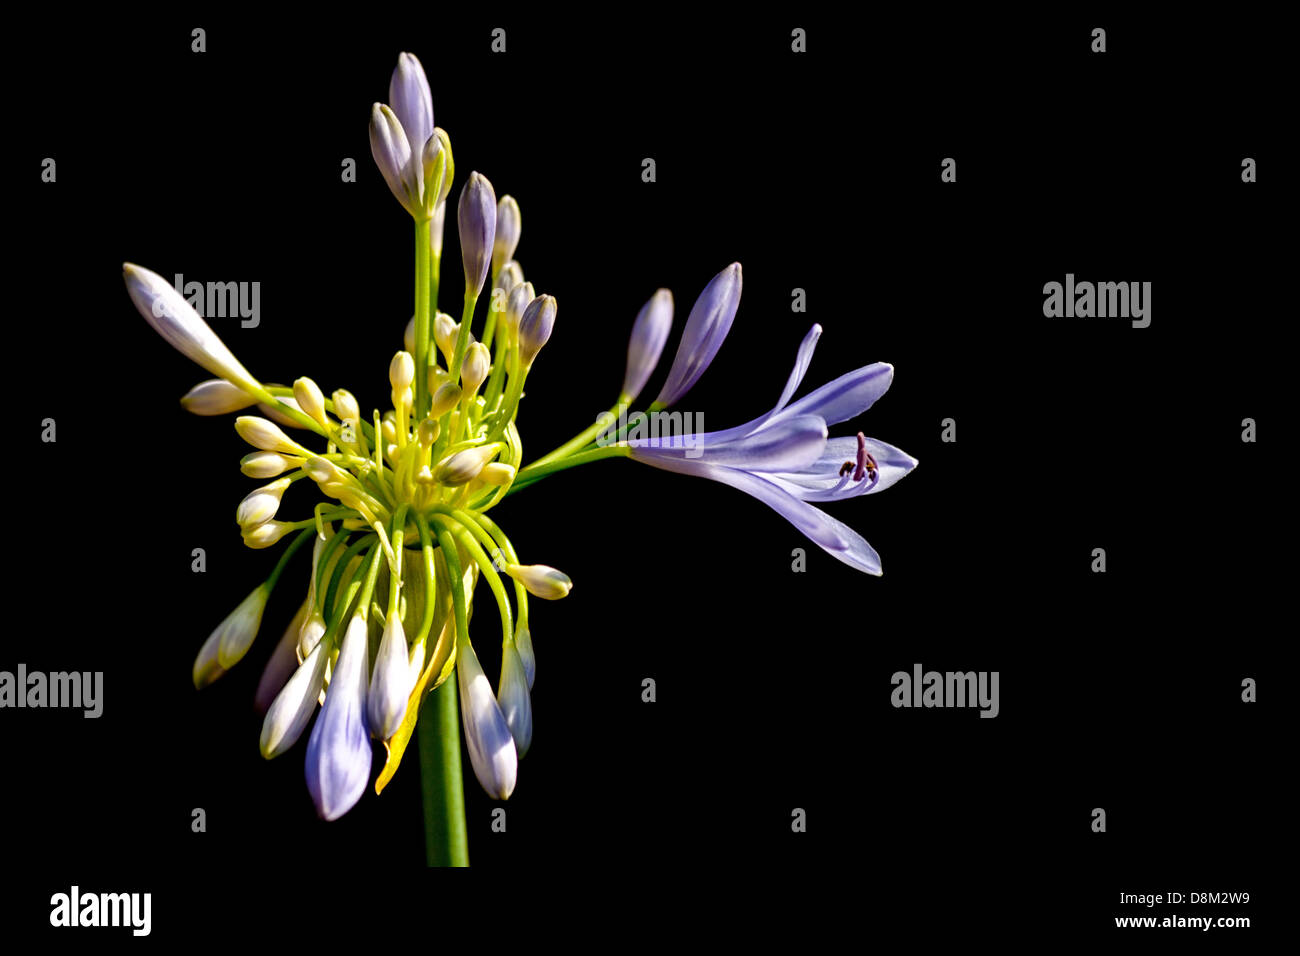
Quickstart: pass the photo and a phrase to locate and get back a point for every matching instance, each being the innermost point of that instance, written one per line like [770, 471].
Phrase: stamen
[866, 464]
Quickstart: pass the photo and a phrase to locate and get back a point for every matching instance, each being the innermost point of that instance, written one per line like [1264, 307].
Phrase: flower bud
[206, 669]
[706, 327]
[261, 505]
[389, 429]
[508, 227]
[511, 275]
[487, 735]
[267, 436]
[310, 398]
[445, 330]
[408, 336]
[392, 153]
[541, 581]
[514, 700]
[516, 303]
[444, 399]
[401, 371]
[649, 333]
[535, 327]
[448, 175]
[216, 397]
[313, 629]
[346, 407]
[292, 708]
[461, 467]
[412, 104]
[477, 219]
[267, 464]
[175, 320]
[391, 684]
[338, 751]
[235, 634]
[497, 473]
[477, 364]
[429, 431]
[524, 645]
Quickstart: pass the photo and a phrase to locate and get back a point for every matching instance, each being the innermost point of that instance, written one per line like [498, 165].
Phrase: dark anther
[846, 468]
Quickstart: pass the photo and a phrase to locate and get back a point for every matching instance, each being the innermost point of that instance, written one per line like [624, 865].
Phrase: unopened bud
[535, 327]
[497, 473]
[401, 371]
[461, 467]
[478, 362]
[541, 581]
[267, 436]
[216, 397]
[508, 227]
[310, 398]
[267, 464]
[260, 505]
[444, 399]
[346, 407]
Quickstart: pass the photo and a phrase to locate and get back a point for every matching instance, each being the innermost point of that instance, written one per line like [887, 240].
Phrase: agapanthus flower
[400, 531]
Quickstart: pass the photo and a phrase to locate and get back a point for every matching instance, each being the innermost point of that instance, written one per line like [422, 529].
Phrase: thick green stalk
[445, 838]
[423, 293]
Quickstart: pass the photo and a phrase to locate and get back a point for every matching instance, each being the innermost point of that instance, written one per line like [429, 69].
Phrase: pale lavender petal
[338, 753]
[706, 327]
[790, 446]
[834, 537]
[822, 481]
[646, 344]
[412, 104]
[392, 152]
[491, 746]
[476, 217]
[513, 697]
[847, 397]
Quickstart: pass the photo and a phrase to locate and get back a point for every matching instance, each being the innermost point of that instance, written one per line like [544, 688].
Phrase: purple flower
[784, 459]
[488, 739]
[338, 753]
[708, 324]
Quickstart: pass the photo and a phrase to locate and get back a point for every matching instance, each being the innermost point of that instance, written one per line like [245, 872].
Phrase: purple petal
[476, 217]
[412, 104]
[646, 344]
[834, 537]
[338, 753]
[847, 397]
[802, 360]
[790, 446]
[709, 322]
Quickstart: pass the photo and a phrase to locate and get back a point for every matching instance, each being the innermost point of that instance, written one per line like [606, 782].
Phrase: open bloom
[783, 458]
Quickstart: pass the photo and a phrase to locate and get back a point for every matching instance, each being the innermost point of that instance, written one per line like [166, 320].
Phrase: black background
[819, 171]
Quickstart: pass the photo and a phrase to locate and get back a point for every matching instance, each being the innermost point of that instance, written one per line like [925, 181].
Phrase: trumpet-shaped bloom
[784, 459]
[488, 739]
[338, 752]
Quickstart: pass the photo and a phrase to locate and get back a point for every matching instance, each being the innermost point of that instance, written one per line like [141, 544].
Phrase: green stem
[445, 834]
[580, 441]
[538, 470]
[423, 291]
